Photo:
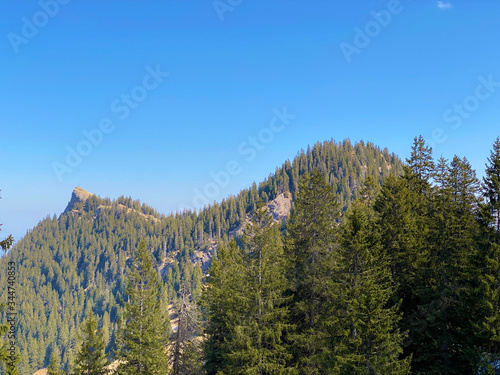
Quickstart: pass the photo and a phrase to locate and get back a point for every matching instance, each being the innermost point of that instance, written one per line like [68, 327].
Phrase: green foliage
[224, 304]
[143, 340]
[363, 324]
[311, 243]
[491, 184]
[81, 258]
[257, 346]
[53, 368]
[90, 358]
[186, 351]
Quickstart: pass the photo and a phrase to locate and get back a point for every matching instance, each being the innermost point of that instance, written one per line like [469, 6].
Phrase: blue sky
[85, 98]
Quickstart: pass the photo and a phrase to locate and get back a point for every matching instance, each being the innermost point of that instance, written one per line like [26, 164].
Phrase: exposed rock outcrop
[79, 195]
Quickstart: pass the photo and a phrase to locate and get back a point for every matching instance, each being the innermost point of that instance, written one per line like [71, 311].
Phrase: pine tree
[193, 358]
[447, 301]
[90, 357]
[311, 242]
[224, 303]
[489, 260]
[420, 162]
[143, 340]
[363, 324]
[257, 345]
[53, 368]
[491, 184]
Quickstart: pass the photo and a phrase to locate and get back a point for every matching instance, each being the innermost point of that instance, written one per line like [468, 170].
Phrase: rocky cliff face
[279, 208]
[79, 195]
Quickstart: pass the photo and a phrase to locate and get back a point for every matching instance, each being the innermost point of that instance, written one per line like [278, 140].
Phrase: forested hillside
[407, 282]
[80, 260]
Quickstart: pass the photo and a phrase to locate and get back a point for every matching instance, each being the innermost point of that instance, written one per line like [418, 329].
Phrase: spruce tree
[491, 184]
[420, 162]
[224, 303]
[363, 323]
[445, 295]
[311, 242]
[489, 264]
[258, 345]
[90, 357]
[143, 340]
[53, 368]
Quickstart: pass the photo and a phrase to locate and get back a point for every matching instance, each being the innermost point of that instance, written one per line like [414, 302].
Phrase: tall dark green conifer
[491, 184]
[143, 341]
[420, 162]
[90, 358]
[224, 304]
[445, 297]
[363, 323]
[311, 242]
[489, 264]
[53, 368]
[258, 345]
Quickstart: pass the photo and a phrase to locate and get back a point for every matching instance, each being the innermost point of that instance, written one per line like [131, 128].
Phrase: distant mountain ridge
[81, 258]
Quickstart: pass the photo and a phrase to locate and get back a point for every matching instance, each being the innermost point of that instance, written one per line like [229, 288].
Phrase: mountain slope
[80, 260]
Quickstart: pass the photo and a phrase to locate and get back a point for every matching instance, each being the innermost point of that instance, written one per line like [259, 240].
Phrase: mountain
[78, 196]
[80, 259]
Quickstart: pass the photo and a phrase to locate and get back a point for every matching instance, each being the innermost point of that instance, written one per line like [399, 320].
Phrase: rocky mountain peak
[78, 195]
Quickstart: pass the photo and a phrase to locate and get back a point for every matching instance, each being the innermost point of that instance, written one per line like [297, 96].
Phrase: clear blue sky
[69, 67]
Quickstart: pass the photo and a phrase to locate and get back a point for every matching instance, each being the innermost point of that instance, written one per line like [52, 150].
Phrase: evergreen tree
[491, 184]
[142, 344]
[193, 358]
[224, 303]
[402, 209]
[311, 242]
[489, 260]
[90, 357]
[257, 344]
[446, 299]
[364, 325]
[53, 368]
[420, 162]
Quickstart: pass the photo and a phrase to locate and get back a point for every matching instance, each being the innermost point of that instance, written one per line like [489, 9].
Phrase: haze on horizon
[158, 100]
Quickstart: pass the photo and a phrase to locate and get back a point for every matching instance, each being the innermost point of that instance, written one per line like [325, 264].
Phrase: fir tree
[90, 358]
[420, 162]
[257, 345]
[53, 368]
[311, 242]
[491, 184]
[489, 264]
[142, 344]
[224, 303]
[446, 297]
[363, 324]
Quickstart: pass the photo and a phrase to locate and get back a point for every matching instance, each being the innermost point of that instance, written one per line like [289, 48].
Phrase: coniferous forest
[380, 267]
